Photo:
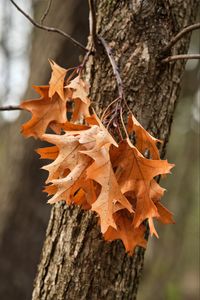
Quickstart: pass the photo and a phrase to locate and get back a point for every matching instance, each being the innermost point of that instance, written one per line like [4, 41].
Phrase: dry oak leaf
[110, 199]
[52, 152]
[136, 174]
[130, 236]
[67, 186]
[144, 141]
[156, 193]
[48, 152]
[80, 89]
[44, 111]
[56, 83]
[71, 160]
[67, 158]
[86, 195]
[79, 95]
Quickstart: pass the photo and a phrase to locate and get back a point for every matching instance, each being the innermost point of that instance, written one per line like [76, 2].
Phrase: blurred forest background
[171, 270]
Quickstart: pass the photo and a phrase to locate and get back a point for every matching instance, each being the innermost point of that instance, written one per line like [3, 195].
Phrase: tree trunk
[76, 262]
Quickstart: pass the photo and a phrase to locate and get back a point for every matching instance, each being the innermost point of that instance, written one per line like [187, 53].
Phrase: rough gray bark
[76, 263]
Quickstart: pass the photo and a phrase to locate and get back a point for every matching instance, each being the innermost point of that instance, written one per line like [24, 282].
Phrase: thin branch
[46, 12]
[114, 67]
[180, 56]
[107, 108]
[50, 29]
[85, 59]
[92, 21]
[177, 37]
[122, 121]
[10, 107]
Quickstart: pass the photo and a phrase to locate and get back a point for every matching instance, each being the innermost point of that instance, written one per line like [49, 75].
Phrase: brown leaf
[48, 152]
[80, 89]
[80, 97]
[135, 173]
[125, 231]
[144, 141]
[165, 216]
[110, 199]
[44, 111]
[56, 83]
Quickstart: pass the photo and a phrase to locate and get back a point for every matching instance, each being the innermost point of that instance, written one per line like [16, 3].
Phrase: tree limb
[180, 56]
[45, 14]
[177, 37]
[92, 21]
[10, 107]
[50, 29]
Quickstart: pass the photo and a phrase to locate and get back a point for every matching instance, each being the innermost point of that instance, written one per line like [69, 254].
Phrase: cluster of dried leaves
[89, 168]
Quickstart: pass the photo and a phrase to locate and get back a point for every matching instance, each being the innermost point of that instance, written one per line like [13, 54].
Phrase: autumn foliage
[90, 167]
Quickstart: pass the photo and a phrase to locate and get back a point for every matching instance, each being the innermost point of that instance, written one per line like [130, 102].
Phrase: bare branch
[180, 56]
[46, 12]
[92, 21]
[114, 67]
[177, 37]
[10, 107]
[50, 29]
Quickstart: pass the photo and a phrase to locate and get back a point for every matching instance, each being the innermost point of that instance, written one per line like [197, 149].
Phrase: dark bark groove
[76, 263]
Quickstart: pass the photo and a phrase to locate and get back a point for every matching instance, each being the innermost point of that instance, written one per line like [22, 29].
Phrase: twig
[85, 59]
[180, 56]
[114, 67]
[92, 21]
[50, 29]
[46, 12]
[107, 108]
[177, 37]
[10, 107]
[122, 121]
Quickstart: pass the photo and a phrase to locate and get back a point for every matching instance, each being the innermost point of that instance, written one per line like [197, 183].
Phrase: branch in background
[50, 29]
[46, 12]
[114, 66]
[177, 37]
[92, 21]
[10, 107]
[180, 56]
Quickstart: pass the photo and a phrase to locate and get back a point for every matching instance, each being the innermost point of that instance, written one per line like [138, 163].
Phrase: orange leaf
[135, 173]
[80, 97]
[56, 83]
[80, 89]
[144, 141]
[44, 111]
[165, 216]
[125, 231]
[48, 152]
[110, 199]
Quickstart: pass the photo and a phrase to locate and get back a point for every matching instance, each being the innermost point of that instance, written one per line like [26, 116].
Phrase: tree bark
[76, 263]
